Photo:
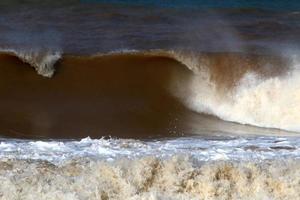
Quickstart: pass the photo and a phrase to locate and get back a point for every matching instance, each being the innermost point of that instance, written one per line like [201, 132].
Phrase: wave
[249, 89]
[259, 90]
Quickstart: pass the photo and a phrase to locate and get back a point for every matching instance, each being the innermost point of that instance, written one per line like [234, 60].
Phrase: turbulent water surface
[149, 99]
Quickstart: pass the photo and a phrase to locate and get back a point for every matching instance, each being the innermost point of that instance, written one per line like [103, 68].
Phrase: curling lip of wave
[42, 61]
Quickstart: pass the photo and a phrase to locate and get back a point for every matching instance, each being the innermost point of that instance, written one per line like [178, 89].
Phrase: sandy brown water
[150, 178]
[146, 75]
[120, 97]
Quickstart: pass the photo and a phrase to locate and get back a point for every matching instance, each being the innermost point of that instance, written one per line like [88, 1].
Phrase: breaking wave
[260, 90]
[42, 61]
[263, 91]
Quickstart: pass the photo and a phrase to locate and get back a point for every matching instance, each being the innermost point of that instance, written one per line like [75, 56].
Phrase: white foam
[200, 148]
[272, 102]
[182, 168]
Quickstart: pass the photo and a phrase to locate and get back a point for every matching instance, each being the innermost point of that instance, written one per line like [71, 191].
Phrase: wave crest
[42, 61]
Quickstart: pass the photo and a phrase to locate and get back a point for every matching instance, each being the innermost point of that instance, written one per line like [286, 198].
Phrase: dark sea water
[149, 99]
[101, 26]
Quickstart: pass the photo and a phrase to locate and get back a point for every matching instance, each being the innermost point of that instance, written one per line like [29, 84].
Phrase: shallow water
[183, 168]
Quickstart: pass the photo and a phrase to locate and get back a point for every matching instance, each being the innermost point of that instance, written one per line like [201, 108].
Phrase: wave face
[181, 168]
[243, 88]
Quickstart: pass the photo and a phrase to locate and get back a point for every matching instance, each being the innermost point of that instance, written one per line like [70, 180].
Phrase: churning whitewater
[265, 97]
[183, 168]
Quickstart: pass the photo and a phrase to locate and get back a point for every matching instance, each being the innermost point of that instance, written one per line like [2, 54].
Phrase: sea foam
[254, 99]
[183, 168]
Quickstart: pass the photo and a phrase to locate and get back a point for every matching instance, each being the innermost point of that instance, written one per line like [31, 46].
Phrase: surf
[238, 87]
[150, 178]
